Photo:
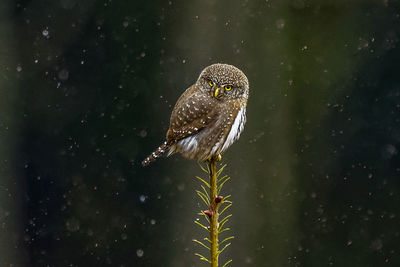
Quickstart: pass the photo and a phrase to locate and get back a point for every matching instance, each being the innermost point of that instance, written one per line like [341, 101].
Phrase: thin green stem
[209, 194]
[214, 225]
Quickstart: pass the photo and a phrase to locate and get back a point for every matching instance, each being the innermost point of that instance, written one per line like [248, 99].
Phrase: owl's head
[223, 81]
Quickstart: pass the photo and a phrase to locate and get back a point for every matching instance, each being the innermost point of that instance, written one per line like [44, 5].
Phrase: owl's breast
[217, 136]
[223, 134]
[236, 129]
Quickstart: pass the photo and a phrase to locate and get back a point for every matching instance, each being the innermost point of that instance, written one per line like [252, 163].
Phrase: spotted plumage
[209, 116]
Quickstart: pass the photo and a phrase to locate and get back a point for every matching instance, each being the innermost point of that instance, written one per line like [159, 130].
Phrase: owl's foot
[215, 158]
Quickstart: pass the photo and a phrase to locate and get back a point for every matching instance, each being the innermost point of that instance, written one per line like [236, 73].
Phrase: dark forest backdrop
[86, 89]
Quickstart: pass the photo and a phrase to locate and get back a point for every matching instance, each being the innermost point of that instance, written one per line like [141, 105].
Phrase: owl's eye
[211, 83]
[228, 87]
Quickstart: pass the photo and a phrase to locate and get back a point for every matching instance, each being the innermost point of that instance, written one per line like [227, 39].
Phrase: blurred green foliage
[86, 90]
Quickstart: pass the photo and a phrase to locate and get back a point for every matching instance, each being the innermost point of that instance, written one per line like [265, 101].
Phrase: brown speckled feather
[190, 115]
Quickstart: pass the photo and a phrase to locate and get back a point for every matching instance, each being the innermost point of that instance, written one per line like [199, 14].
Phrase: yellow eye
[211, 83]
[228, 87]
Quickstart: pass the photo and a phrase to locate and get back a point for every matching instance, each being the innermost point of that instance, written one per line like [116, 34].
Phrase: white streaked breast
[236, 129]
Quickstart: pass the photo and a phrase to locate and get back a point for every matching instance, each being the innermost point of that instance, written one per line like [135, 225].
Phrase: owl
[208, 117]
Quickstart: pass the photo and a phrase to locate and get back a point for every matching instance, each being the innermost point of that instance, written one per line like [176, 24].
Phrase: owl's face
[223, 81]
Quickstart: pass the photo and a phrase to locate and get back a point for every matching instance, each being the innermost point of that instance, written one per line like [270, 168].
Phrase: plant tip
[208, 213]
[218, 199]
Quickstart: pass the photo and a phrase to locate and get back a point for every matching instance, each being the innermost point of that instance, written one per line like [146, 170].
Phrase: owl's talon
[215, 158]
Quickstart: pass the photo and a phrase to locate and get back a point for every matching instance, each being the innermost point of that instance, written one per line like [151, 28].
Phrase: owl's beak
[216, 92]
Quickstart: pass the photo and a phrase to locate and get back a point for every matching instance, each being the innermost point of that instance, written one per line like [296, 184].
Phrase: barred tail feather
[156, 154]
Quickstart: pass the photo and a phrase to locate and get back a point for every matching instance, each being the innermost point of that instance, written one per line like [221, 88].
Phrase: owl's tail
[156, 154]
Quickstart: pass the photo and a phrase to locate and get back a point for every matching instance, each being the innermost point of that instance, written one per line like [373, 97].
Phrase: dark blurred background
[86, 89]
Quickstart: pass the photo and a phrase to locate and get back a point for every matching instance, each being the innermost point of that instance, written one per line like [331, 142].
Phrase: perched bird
[209, 116]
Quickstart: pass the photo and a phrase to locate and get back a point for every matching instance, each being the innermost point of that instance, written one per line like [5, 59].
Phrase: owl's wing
[193, 112]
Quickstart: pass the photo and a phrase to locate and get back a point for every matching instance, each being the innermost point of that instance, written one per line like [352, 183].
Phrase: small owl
[209, 116]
